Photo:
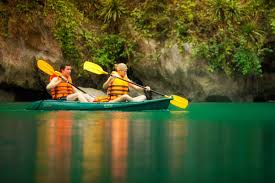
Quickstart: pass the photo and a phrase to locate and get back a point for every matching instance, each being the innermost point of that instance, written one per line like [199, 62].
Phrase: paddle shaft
[138, 85]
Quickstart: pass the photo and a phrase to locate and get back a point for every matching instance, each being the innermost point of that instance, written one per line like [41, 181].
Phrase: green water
[208, 143]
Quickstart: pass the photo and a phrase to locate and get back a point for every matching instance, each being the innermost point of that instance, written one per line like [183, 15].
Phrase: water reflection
[176, 147]
[137, 147]
[114, 147]
[119, 146]
[53, 155]
[93, 150]
[150, 147]
[134, 147]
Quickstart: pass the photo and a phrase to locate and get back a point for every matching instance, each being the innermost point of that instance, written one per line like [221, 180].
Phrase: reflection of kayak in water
[156, 104]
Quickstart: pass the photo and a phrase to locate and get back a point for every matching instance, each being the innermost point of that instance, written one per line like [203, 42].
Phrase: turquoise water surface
[211, 142]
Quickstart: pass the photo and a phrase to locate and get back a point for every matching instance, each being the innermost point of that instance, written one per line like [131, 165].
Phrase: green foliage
[25, 7]
[231, 35]
[254, 35]
[225, 10]
[152, 19]
[90, 8]
[78, 44]
[217, 54]
[273, 25]
[108, 49]
[111, 11]
[68, 19]
[185, 16]
[235, 36]
[111, 50]
[272, 20]
[247, 62]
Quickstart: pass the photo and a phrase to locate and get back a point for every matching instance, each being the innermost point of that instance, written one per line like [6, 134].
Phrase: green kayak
[50, 105]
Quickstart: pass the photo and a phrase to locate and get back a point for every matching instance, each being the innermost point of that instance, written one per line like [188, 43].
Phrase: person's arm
[139, 88]
[54, 82]
[106, 84]
[110, 80]
[74, 89]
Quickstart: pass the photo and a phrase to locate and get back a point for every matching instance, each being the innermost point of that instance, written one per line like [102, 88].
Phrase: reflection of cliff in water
[223, 152]
[156, 150]
[17, 148]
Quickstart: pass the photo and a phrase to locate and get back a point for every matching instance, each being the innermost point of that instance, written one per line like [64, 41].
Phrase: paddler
[62, 90]
[117, 89]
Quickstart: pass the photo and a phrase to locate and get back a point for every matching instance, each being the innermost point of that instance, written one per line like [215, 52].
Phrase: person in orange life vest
[62, 90]
[118, 89]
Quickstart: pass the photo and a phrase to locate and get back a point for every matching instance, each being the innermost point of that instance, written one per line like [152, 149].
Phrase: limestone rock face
[166, 69]
[18, 55]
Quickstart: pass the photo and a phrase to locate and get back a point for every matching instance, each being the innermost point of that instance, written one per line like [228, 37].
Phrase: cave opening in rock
[18, 94]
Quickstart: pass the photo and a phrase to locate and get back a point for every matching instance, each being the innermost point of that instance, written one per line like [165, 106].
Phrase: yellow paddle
[48, 69]
[176, 101]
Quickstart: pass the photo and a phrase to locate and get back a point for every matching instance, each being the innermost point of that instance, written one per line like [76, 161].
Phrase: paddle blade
[94, 68]
[57, 73]
[45, 67]
[179, 101]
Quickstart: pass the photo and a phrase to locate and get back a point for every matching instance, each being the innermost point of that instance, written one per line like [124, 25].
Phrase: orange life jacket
[102, 99]
[63, 89]
[118, 87]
